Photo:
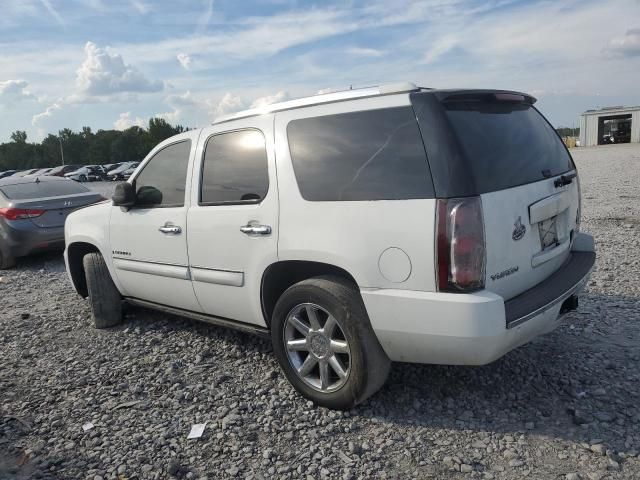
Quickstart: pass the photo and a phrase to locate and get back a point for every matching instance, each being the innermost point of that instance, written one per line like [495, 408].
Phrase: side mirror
[124, 195]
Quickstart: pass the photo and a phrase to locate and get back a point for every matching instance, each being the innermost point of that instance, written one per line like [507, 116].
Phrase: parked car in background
[127, 173]
[354, 228]
[111, 166]
[62, 169]
[97, 173]
[118, 173]
[24, 173]
[33, 212]
[88, 173]
[7, 173]
[42, 171]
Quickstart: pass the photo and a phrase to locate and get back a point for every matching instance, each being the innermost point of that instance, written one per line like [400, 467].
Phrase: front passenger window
[163, 180]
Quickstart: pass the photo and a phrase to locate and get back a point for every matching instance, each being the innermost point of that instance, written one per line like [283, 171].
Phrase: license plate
[548, 233]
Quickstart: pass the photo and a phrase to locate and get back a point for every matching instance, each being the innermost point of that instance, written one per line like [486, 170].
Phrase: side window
[163, 180]
[234, 169]
[368, 155]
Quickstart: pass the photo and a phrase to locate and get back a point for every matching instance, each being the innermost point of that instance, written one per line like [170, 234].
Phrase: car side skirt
[218, 321]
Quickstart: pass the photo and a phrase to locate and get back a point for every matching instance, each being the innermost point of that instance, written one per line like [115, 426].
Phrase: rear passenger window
[163, 180]
[369, 155]
[234, 169]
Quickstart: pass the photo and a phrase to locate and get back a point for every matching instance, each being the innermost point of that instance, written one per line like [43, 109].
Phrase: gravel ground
[564, 406]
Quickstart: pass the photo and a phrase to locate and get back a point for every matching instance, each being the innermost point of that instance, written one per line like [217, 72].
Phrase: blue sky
[115, 63]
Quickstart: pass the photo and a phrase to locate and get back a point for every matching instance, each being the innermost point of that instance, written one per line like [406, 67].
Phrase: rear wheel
[325, 345]
[104, 297]
[82, 178]
[6, 262]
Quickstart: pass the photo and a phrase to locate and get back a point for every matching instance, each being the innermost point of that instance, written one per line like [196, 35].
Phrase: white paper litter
[87, 426]
[197, 430]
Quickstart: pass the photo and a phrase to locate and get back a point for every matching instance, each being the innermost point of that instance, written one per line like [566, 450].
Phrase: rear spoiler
[485, 96]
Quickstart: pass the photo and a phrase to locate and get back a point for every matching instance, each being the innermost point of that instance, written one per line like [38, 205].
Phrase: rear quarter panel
[353, 235]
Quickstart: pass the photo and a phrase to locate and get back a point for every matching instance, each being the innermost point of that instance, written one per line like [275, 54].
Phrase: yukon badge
[518, 230]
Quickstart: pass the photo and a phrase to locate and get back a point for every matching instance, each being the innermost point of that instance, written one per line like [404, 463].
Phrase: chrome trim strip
[577, 287]
[217, 276]
[150, 268]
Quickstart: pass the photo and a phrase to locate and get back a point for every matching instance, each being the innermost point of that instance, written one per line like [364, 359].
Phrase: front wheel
[325, 345]
[104, 297]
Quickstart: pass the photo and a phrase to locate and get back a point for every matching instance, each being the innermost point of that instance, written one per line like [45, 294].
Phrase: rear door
[233, 219]
[516, 162]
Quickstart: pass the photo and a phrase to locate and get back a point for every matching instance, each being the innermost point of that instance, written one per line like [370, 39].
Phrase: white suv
[354, 228]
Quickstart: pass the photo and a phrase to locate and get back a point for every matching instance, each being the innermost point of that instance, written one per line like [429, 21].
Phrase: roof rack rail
[322, 97]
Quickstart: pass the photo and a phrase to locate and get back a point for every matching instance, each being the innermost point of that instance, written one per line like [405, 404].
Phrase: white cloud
[627, 45]
[141, 7]
[204, 20]
[229, 103]
[14, 91]
[280, 96]
[46, 115]
[365, 52]
[104, 74]
[125, 121]
[186, 109]
[440, 47]
[52, 11]
[185, 60]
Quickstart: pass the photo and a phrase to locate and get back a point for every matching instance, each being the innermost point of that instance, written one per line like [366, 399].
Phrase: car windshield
[24, 191]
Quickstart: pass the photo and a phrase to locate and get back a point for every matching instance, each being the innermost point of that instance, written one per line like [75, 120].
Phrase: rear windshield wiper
[564, 180]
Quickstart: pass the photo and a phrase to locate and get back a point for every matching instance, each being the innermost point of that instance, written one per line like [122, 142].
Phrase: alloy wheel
[317, 347]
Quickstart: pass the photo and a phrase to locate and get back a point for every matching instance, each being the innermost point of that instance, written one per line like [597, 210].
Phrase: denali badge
[504, 273]
[519, 230]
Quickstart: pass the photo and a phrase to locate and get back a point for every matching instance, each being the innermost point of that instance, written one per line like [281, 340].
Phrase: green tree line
[568, 132]
[85, 147]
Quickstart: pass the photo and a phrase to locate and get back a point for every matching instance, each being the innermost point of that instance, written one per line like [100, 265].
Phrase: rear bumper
[473, 329]
[22, 237]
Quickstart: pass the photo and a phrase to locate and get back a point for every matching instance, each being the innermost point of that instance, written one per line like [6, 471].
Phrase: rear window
[506, 144]
[368, 155]
[24, 191]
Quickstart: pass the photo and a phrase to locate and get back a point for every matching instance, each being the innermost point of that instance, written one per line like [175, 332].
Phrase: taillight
[20, 213]
[460, 245]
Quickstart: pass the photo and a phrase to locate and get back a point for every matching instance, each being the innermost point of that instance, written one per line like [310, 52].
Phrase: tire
[104, 297]
[6, 262]
[82, 178]
[365, 364]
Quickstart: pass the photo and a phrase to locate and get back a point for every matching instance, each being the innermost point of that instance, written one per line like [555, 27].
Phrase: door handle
[256, 229]
[170, 229]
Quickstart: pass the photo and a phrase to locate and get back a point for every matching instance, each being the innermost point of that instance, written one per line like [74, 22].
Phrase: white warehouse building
[610, 125]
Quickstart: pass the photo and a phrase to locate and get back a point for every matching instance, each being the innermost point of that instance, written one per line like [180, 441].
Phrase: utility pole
[61, 150]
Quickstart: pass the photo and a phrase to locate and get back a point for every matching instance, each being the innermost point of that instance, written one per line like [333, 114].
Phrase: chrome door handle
[256, 229]
[172, 229]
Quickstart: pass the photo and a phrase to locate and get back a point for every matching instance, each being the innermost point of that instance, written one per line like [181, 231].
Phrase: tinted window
[162, 181]
[371, 155]
[506, 144]
[235, 168]
[23, 191]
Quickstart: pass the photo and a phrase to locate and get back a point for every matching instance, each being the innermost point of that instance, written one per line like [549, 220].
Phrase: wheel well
[280, 276]
[75, 254]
